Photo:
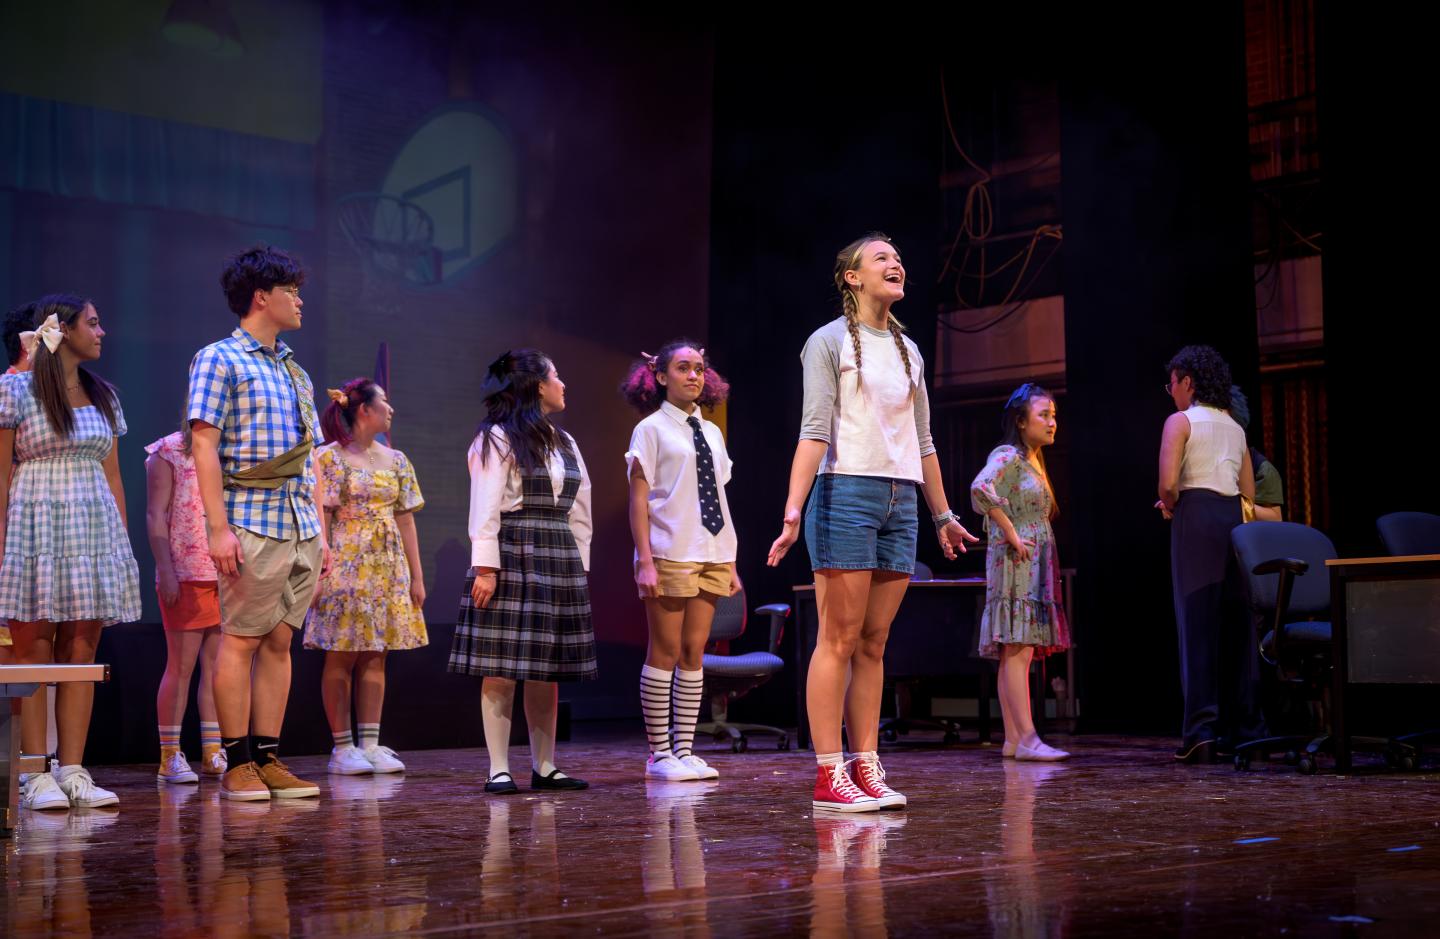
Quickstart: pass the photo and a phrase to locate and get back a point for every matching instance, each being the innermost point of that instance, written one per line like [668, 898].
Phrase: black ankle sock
[237, 751]
[266, 749]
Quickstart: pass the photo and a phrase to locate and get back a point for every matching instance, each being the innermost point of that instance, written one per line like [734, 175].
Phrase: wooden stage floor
[1119, 841]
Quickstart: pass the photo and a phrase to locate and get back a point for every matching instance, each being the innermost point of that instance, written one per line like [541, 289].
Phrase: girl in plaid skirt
[525, 612]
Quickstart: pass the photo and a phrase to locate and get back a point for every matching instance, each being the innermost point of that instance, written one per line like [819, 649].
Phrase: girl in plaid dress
[68, 568]
[525, 613]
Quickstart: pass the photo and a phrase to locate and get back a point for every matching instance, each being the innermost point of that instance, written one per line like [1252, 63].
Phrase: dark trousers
[1219, 660]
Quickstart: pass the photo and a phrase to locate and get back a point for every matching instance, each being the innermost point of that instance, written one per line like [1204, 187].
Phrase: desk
[18, 682]
[933, 636]
[1385, 629]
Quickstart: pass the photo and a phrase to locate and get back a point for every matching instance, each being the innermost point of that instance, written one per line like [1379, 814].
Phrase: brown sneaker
[283, 784]
[243, 784]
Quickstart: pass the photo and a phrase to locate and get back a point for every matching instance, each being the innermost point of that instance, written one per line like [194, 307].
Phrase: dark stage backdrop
[457, 184]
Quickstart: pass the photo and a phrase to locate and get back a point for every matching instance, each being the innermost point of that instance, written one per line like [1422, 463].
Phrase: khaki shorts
[275, 585]
[688, 578]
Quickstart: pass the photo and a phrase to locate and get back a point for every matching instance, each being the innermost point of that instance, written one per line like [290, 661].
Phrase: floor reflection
[46, 885]
[672, 864]
[1022, 904]
[846, 894]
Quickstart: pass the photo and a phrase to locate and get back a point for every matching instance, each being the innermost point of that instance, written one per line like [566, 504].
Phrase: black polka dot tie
[710, 515]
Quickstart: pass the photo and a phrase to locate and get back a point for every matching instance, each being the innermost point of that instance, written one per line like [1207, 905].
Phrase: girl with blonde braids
[864, 446]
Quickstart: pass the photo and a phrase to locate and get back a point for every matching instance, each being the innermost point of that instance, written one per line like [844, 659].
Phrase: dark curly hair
[19, 320]
[644, 392]
[260, 268]
[1204, 366]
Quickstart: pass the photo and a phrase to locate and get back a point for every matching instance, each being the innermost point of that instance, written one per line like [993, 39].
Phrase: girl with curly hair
[1204, 470]
[684, 542]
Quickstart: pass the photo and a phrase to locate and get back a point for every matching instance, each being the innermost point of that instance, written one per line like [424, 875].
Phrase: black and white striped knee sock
[689, 690]
[655, 706]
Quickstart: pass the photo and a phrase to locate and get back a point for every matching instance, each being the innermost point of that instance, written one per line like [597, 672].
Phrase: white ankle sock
[829, 759]
[369, 735]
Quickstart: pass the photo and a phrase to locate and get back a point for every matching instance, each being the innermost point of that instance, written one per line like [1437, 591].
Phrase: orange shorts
[196, 606]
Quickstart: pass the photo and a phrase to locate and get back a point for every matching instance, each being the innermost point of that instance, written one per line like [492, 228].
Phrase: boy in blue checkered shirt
[252, 415]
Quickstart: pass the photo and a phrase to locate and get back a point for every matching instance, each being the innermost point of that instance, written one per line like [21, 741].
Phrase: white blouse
[1213, 453]
[663, 447]
[495, 489]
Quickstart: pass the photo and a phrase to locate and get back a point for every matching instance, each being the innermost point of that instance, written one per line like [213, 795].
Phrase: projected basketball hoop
[394, 238]
[448, 201]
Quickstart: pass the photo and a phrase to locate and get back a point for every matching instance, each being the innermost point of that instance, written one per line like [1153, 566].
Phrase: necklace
[369, 452]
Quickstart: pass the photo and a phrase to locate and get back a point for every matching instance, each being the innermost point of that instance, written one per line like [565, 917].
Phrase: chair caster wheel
[1291, 757]
[890, 736]
[739, 746]
[1398, 758]
[1306, 765]
[783, 743]
[950, 738]
[1242, 762]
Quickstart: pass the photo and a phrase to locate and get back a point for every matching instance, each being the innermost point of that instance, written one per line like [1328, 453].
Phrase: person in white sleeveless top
[864, 447]
[1204, 470]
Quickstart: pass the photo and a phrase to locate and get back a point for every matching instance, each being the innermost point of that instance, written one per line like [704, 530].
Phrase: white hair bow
[48, 333]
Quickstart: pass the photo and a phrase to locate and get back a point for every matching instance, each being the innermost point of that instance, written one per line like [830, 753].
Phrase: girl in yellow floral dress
[372, 598]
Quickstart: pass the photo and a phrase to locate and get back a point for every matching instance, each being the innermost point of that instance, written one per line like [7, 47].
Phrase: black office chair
[1286, 585]
[1409, 533]
[922, 572]
[731, 676]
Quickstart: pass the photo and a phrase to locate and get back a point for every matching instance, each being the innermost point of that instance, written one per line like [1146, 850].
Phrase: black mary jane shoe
[501, 784]
[556, 781]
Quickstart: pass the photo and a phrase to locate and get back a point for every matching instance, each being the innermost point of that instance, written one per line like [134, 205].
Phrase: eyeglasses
[1170, 386]
[292, 291]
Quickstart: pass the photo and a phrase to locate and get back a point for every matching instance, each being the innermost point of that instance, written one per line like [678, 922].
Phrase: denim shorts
[861, 523]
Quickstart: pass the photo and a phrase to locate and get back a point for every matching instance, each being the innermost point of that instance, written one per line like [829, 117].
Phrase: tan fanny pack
[273, 473]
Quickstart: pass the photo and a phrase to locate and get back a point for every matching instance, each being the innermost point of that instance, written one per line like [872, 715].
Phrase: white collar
[679, 416]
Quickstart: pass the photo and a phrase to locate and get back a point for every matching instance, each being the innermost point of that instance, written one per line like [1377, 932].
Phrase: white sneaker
[665, 766]
[176, 769]
[214, 763]
[702, 769]
[83, 792]
[383, 759]
[1040, 753]
[40, 791]
[349, 761]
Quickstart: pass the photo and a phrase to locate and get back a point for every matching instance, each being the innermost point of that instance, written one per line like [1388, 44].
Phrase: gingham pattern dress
[67, 554]
[538, 625]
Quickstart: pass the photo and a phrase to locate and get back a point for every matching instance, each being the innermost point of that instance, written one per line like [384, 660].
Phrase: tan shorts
[688, 578]
[275, 585]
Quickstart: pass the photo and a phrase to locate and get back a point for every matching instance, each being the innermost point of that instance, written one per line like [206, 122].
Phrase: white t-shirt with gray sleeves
[875, 417]
[663, 448]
